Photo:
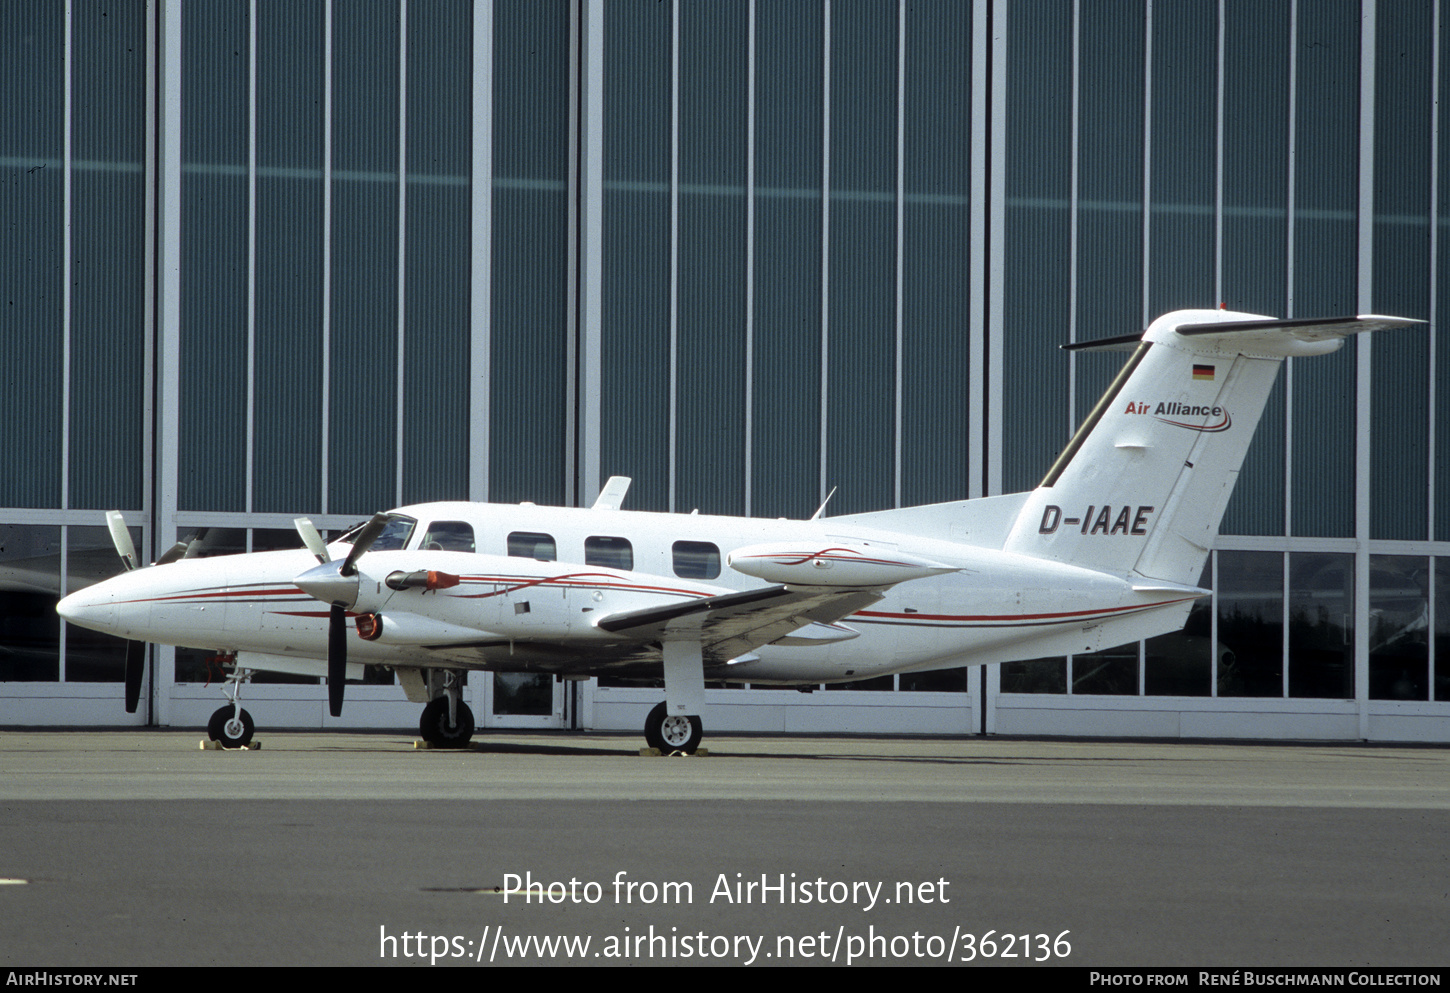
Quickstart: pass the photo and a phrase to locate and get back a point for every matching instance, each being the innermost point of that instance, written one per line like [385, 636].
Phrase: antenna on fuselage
[822, 508]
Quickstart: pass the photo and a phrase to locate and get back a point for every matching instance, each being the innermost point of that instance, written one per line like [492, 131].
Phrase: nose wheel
[231, 726]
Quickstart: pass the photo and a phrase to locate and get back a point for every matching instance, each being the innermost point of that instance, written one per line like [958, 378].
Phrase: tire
[669, 734]
[433, 726]
[228, 732]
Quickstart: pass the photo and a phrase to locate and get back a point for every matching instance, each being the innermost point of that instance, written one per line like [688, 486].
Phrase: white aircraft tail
[1142, 486]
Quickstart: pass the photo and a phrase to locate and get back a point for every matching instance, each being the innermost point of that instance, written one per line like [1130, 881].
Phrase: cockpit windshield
[394, 536]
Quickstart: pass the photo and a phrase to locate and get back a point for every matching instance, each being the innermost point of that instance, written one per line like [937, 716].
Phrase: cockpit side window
[393, 537]
[448, 536]
[532, 545]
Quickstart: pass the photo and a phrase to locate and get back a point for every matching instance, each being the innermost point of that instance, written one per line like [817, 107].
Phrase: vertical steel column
[988, 286]
[402, 273]
[824, 487]
[480, 352]
[168, 331]
[1364, 364]
[588, 394]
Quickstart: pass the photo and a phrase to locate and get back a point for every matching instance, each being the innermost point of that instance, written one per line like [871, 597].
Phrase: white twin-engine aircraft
[1107, 550]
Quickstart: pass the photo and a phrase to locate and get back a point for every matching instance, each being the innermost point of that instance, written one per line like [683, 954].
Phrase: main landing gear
[447, 721]
[671, 732]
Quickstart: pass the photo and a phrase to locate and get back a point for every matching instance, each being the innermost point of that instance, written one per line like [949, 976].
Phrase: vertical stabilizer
[1142, 486]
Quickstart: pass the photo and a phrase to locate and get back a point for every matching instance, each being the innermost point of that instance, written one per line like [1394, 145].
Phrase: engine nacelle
[413, 629]
[827, 563]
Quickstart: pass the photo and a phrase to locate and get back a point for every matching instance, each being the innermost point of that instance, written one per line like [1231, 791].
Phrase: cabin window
[533, 545]
[612, 553]
[696, 559]
[448, 536]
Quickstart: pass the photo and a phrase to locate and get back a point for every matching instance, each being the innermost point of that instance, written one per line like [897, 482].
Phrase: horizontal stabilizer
[1263, 336]
[1295, 336]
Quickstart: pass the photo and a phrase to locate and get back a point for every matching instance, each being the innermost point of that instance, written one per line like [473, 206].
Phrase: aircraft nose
[93, 607]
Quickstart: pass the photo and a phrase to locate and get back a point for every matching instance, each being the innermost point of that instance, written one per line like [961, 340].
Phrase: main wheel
[434, 727]
[231, 728]
[672, 733]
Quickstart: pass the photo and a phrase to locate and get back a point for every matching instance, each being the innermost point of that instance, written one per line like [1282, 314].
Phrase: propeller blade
[365, 539]
[336, 658]
[311, 538]
[121, 538]
[176, 551]
[135, 669]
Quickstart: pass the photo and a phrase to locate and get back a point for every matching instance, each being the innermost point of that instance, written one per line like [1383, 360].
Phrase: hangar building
[323, 258]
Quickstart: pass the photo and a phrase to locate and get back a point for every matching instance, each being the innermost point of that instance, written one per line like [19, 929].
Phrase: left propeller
[336, 584]
[135, 650]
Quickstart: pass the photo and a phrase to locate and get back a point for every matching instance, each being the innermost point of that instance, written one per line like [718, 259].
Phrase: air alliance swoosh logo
[1217, 418]
[1223, 424]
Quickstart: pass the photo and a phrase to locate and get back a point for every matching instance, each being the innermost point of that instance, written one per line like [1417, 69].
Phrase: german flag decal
[1203, 372]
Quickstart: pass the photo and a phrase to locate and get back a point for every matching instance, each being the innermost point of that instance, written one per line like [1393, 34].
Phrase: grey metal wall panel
[1110, 220]
[861, 320]
[935, 254]
[1326, 244]
[634, 411]
[364, 277]
[1400, 384]
[1183, 167]
[1038, 242]
[32, 280]
[711, 267]
[108, 258]
[789, 139]
[1254, 261]
[1441, 316]
[528, 388]
[287, 443]
[212, 427]
[437, 271]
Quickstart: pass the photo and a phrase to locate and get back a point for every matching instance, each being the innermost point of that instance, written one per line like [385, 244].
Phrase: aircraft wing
[732, 624]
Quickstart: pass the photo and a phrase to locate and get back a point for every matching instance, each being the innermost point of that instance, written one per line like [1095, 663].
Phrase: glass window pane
[1250, 624]
[1399, 627]
[29, 589]
[937, 681]
[612, 553]
[1321, 625]
[448, 536]
[532, 545]
[1111, 672]
[696, 559]
[1442, 628]
[1035, 676]
[523, 693]
[1181, 663]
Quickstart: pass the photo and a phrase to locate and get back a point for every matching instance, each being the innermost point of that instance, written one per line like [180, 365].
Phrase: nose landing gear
[231, 726]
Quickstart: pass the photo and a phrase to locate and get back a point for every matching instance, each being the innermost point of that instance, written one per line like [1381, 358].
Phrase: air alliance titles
[1174, 409]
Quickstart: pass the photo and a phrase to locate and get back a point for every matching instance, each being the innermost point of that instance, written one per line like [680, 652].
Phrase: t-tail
[1141, 488]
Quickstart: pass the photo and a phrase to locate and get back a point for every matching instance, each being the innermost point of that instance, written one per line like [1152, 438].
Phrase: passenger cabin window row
[691, 559]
